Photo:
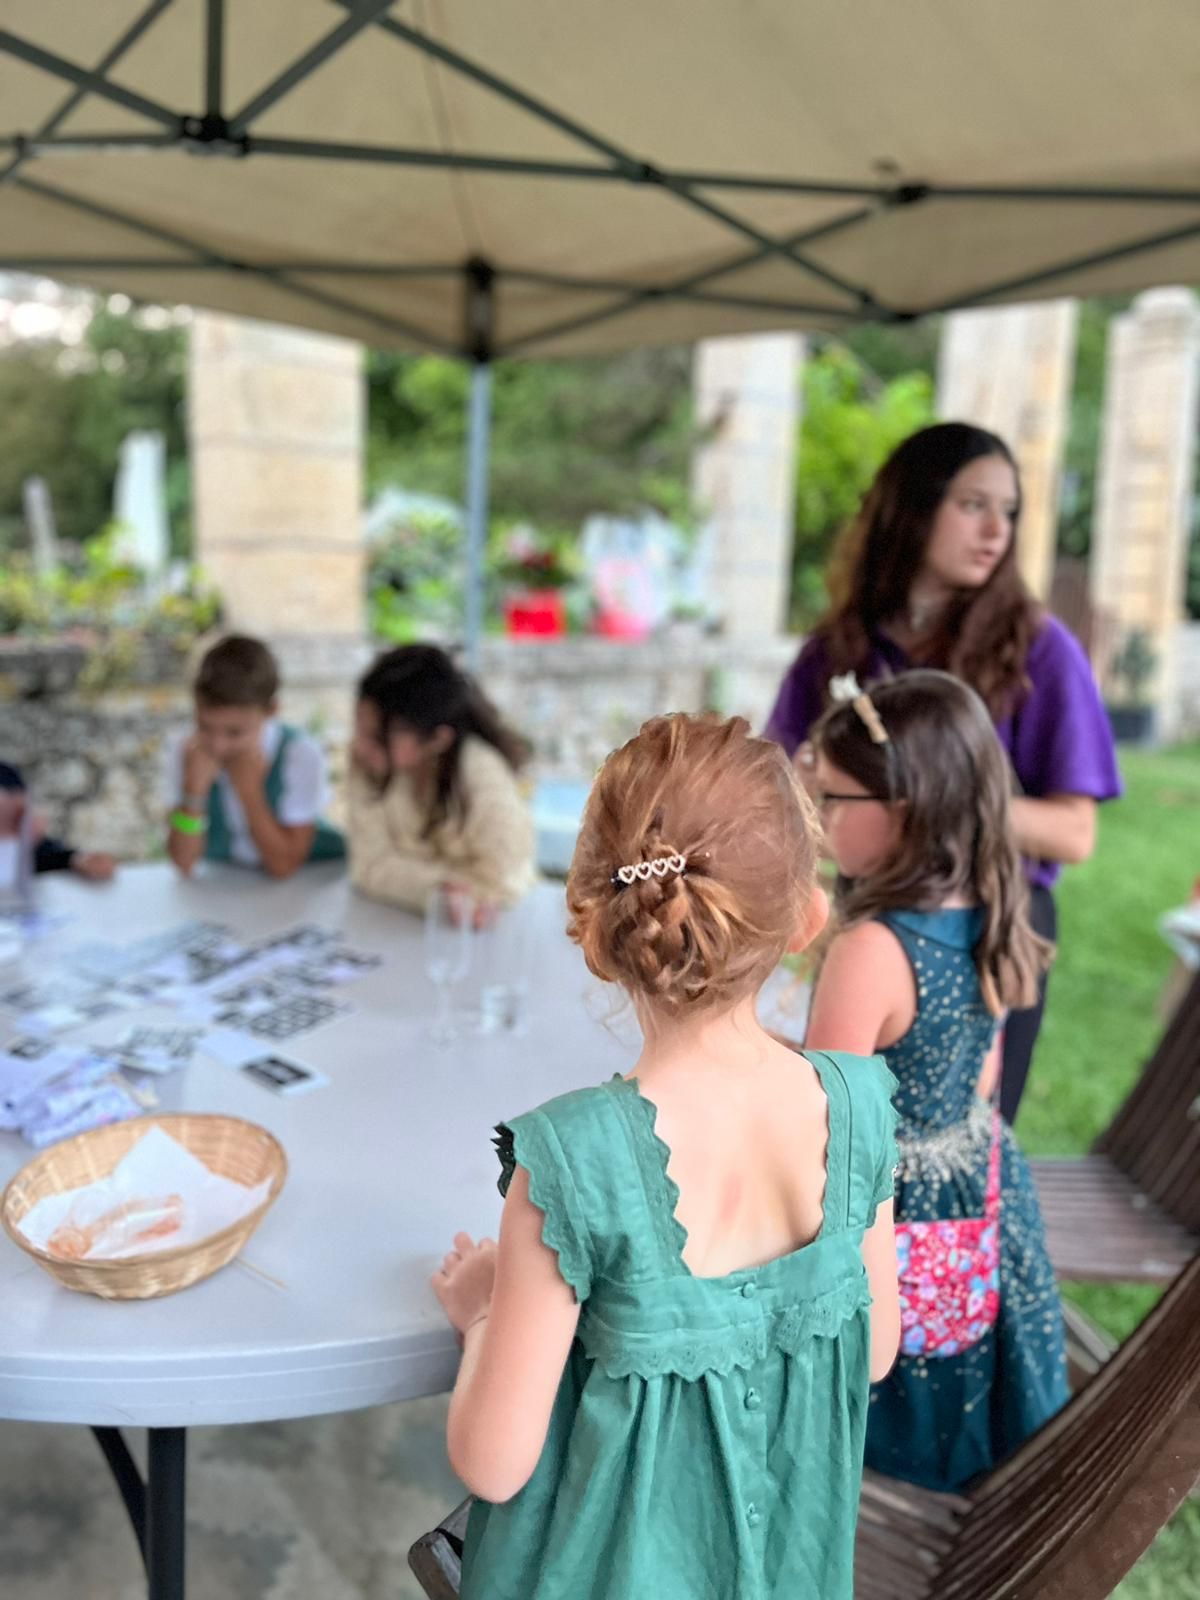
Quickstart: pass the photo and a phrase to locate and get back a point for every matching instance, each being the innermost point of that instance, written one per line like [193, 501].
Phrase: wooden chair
[436, 1558]
[1064, 1519]
[1130, 1211]
[1075, 1508]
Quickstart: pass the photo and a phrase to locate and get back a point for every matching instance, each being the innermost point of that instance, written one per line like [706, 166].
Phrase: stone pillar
[1010, 371]
[276, 422]
[1139, 545]
[747, 391]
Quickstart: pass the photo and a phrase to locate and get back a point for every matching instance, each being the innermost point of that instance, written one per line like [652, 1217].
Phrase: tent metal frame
[219, 133]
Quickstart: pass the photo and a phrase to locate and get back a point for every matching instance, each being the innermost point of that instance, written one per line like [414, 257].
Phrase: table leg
[157, 1508]
[165, 1512]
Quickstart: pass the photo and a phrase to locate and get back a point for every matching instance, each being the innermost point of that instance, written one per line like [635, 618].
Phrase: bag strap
[991, 1206]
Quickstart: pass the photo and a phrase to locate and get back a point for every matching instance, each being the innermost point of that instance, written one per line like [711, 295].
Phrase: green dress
[707, 1438]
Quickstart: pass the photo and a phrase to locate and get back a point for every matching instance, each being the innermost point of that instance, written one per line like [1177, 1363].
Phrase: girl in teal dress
[934, 944]
[666, 1359]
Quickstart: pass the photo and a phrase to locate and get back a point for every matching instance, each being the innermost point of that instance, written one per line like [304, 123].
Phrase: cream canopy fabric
[564, 176]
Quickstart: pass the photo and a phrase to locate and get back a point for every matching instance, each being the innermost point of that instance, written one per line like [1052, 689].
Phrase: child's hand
[199, 768]
[464, 907]
[371, 761]
[12, 809]
[13, 805]
[93, 864]
[465, 1282]
[247, 770]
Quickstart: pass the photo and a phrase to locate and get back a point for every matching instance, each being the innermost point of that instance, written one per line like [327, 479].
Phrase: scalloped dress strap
[655, 1236]
[837, 1154]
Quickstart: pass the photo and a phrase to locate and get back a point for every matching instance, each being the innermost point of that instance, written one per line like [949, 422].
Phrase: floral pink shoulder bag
[950, 1274]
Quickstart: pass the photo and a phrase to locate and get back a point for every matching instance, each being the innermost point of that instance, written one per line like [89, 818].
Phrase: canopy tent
[523, 178]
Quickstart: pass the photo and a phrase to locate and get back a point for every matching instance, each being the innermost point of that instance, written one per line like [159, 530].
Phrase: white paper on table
[60, 1016]
[156, 1167]
[24, 1073]
[158, 1049]
[108, 962]
[230, 1046]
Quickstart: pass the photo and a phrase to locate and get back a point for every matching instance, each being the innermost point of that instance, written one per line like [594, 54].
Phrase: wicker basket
[226, 1145]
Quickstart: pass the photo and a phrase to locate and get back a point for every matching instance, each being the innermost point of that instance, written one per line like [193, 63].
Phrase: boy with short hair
[245, 787]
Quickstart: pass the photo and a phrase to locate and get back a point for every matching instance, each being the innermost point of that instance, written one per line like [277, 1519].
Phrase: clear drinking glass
[501, 956]
[449, 914]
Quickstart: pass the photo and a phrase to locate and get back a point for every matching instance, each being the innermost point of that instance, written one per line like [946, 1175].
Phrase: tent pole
[480, 285]
[479, 424]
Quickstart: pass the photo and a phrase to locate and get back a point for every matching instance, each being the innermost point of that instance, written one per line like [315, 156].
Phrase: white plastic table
[386, 1162]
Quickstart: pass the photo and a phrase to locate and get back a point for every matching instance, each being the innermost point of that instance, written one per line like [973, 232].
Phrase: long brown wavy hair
[985, 634]
[706, 789]
[418, 686]
[943, 765]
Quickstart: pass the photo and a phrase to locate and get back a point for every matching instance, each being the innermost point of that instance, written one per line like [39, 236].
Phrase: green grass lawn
[1101, 1023]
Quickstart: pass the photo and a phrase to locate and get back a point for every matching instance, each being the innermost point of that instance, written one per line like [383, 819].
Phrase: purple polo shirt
[1059, 740]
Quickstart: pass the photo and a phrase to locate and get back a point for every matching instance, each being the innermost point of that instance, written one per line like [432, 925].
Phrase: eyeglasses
[824, 799]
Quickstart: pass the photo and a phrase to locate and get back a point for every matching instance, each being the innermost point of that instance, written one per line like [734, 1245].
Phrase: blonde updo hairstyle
[704, 788]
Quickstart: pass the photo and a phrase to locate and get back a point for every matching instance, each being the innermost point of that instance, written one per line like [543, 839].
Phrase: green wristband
[182, 822]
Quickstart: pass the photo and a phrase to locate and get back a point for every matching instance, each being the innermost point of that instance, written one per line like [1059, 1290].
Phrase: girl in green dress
[934, 944]
[666, 1358]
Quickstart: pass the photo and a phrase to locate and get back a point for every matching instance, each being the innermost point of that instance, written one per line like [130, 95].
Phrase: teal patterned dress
[941, 1421]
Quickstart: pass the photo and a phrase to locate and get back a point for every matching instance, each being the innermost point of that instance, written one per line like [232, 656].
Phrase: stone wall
[276, 442]
[1145, 485]
[1009, 369]
[579, 698]
[96, 764]
[1182, 713]
[746, 393]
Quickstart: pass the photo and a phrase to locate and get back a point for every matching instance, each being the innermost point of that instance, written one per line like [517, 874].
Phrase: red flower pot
[535, 614]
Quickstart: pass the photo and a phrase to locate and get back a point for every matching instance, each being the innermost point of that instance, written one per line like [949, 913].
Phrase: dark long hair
[943, 762]
[985, 634]
[418, 686]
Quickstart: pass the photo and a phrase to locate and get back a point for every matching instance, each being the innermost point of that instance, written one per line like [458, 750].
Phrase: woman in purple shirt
[927, 576]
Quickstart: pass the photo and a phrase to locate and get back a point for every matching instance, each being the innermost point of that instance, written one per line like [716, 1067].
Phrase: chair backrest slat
[1055, 1491]
[1155, 1136]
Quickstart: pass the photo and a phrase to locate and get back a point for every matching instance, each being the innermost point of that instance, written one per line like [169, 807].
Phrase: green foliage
[851, 423]
[568, 438]
[527, 561]
[101, 600]
[894, 350]
[415, 574]
[414, 578]
[1081, 455]
[66, 410]
[1133, 667]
